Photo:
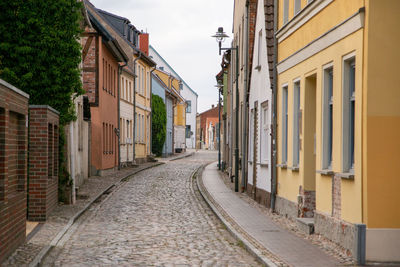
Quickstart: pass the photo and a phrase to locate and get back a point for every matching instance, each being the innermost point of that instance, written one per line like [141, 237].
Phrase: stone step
[306, 225]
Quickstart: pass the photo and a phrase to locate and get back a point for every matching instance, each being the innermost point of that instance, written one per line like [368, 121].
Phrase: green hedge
[159, 124]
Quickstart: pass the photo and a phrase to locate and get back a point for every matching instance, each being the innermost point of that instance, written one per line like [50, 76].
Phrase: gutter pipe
[274, 110]
[134, 107]
[245, 104]
[118, 132]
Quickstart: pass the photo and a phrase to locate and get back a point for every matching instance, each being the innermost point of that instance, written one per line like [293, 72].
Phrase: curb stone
[46, 250]
[238, 236]
[184, 156]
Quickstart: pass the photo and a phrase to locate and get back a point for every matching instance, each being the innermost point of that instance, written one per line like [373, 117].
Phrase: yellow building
[143, 67]
[339, 120]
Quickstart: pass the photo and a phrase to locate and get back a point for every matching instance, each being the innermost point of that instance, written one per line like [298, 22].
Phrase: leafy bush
[159, 124]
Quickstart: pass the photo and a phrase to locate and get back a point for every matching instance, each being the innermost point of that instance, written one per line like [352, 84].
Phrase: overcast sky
[180, 30]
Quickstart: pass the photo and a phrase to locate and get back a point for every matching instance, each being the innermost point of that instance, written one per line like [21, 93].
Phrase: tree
[40, 53]
[159, 124]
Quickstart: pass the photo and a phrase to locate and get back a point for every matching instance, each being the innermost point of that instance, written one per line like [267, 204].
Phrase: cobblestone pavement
[157, 218]
[62, 214]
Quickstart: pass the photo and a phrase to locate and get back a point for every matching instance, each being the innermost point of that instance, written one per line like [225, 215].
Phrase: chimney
[212, 106]
[144, 43]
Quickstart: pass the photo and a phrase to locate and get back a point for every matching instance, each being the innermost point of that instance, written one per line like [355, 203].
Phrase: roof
[103, 14]
[110, 40]
[166, 63]
[173, 92]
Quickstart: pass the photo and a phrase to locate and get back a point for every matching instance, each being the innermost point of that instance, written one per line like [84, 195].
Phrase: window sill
[258, 67]
[282, 166]
[325, 172]
[264, 164]
[294, 168]
[346, 175]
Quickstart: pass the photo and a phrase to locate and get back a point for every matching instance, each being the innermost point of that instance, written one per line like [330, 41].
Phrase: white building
[126, 117]
[260, 114]
[186, 92]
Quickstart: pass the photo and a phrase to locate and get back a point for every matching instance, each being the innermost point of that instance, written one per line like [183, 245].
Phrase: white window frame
[327, 117]
[285, 91]
[265, 133]
[296, 122]
[348, 115]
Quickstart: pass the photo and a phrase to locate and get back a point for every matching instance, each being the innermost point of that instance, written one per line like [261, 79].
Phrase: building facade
[176, 107]
[208, 131]
[100, 80]
[170, 97]
[187, 93]
[259, 174]
[337, 115]
[126, 116]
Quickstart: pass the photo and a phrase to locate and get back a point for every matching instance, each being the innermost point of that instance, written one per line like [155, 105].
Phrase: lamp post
[219, 86]
[220, 36]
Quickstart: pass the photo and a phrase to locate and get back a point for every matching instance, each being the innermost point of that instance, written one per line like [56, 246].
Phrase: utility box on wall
[43, 161]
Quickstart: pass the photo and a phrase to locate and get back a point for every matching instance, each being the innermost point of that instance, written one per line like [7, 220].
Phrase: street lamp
[220, 36]
[219, 86]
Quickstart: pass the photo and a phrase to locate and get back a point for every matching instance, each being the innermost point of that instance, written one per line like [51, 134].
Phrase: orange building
[101, 55]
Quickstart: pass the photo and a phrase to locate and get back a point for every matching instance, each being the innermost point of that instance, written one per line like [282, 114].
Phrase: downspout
[120, 67]
[151, 110]
[245, 103]
[134, 108]
[72, 159]
[274, 110]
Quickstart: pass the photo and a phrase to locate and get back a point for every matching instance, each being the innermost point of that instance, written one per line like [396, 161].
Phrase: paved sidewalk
[285, 246]
[46, 234]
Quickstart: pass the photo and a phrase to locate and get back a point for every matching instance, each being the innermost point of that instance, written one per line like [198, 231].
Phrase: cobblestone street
[157, 218]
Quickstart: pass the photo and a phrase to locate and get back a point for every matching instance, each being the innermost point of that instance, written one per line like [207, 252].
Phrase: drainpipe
[274, 110]
[120, 67]
[72, 159]
[134, 108]
[245, 103]
[151, 110]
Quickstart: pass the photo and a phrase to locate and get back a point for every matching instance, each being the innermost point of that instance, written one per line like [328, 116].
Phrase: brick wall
[13, 167]
[90, 65]
[43, 162]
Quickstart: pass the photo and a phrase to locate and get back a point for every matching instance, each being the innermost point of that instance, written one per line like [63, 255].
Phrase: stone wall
[286, 208]
[338, 231]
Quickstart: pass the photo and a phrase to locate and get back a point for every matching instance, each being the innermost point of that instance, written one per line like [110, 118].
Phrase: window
[284, 124]
[258, 67]
[251, 135]
[122, 88]
[144, 129]
[327, 121]
[127, 130]
[348, 114]
[187, 133]
[285, 11]
[136, 128]
[296, 123]
[297, 6]
[265, 122]
[189, 106]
